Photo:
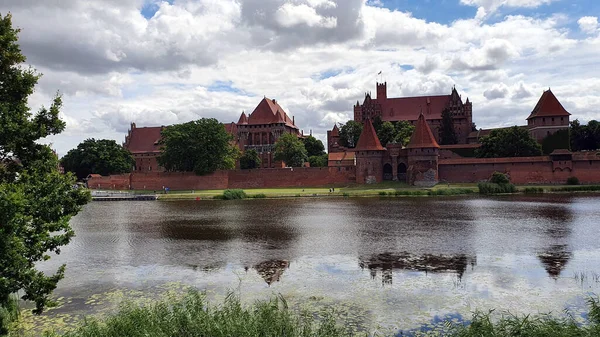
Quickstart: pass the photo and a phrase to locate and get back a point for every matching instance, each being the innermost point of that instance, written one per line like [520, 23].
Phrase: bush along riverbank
[9, 313]
[192, 316]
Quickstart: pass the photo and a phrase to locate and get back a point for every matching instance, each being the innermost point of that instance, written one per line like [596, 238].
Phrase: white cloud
[215, 58]
[588, 24]
[492, 5]
[290, 15]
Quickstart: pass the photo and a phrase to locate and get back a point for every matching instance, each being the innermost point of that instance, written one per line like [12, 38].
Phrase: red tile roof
[243, 119]
[231, 128]
[409, 108]
[142, 140]
[346, 155]
[422, 136]
[368, 140]
[267, 113]
[335, 132]
[548, 106]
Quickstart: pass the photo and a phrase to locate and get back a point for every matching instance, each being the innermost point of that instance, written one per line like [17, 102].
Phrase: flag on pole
[379, 73]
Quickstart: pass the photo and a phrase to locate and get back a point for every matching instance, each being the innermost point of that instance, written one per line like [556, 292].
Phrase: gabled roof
[548, 106]
[422, 136]
[140, 140]
[335, 132]
[368, 140]
[243, 119]
[409, 108]
[266, 113]
[231, 128]
[346, 155]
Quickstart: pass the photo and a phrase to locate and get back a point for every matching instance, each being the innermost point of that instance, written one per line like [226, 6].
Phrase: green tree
[103, 156]
[404, 131]
[557, 140]
[318, 161]
[313, 146]
[386, 133]
[448, 135]
[509, 142]
[290, 149]
[585, 137]
[36, 201]
[201, 146]
[250, 160]
[350, 133]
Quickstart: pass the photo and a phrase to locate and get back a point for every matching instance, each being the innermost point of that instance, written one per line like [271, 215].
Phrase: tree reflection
[272, 270]
[555, 259]
[558, 221]
[386, 263]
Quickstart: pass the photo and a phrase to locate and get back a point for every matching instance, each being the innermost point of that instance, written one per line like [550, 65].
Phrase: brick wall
[118, 182]
[527, 170]
[259, 178]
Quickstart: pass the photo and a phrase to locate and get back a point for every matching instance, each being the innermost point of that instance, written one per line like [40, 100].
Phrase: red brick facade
[260, 178]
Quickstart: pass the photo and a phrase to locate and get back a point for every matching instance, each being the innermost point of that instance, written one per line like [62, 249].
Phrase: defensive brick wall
[116, 182]
[526, 170]
[259, 178]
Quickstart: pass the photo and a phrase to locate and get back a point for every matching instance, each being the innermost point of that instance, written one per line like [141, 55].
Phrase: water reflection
[272, 270]
[555, 259]
[386, 263]
[558, 222]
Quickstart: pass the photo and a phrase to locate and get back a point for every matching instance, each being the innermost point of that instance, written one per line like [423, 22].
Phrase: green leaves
[448, 135]
[36, 201]
[290, 149]
[201, 146]
[350, 133]
[103, 156]
[313, 146]
[250, 160]
[509, 142]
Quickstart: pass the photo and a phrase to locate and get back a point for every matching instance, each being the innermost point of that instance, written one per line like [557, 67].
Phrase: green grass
[9, 312]
[583, 188]
[531, 326]
[191, 316]
[491, 188]
[533, 190]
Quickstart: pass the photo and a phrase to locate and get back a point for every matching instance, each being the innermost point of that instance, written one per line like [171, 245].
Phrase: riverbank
[387, 189]
[191, 315]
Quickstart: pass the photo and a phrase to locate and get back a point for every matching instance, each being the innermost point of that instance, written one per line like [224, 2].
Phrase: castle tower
[548, 117]
[382, 92]
[369, 156]
[333, 140]
[423, 155]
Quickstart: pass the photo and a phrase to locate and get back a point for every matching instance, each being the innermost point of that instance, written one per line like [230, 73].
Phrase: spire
[368, 140]
[243, 118]
[422, 136]
[335, 132]
[548, 106]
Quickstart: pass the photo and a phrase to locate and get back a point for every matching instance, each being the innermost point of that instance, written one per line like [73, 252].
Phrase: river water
[385, 265]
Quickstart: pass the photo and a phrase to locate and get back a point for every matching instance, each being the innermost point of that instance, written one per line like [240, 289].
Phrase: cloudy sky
[163, 62]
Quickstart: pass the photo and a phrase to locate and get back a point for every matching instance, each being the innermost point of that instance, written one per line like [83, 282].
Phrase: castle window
[544, 120]
[553, 119]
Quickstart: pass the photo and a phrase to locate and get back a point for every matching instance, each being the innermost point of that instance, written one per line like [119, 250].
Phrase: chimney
[294, 120]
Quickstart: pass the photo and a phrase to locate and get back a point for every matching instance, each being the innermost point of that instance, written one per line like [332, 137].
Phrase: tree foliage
[447, 132]
[318, 161]
[509, 142]
[350, 133]
[290, 149]
[393, 132]
[557, 140]
[103, 156]
[36, 201]
[250, 160]
[313, 146]
[201, 146]
[585, 137]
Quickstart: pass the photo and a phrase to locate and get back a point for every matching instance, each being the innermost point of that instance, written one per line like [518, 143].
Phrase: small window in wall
[544, 120]
[562, 119]
[553, 119]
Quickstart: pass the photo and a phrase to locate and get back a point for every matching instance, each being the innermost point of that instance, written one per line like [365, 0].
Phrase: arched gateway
[402, 172]
[388, 173]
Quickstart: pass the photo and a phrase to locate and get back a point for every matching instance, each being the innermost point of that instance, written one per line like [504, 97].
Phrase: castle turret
[369, 156]
[548, 117]
[381, 92]
[423, 155]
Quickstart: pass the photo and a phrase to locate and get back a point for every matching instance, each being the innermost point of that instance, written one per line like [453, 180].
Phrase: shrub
[490, 188]
[259, 196]
[573, 181]
[9, 312]
[499, 178]
[588, 188]
[345, 195]
[533, 190]
[234, 195]
[382, 194]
